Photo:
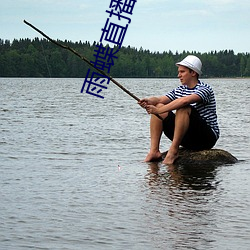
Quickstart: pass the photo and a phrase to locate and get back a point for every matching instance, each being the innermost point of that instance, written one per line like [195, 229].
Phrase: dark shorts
[199, 135]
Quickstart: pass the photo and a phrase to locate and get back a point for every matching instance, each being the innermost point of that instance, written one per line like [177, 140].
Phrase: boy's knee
[159, 105]
[184, 110]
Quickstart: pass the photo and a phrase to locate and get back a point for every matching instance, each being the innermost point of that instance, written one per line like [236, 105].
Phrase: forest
[41, 58]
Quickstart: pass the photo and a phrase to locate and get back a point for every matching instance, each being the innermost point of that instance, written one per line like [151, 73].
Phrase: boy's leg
[156, 128]
[181, 127]
[199, 135]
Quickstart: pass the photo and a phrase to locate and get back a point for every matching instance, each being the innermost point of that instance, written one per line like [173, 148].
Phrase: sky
[156, 25]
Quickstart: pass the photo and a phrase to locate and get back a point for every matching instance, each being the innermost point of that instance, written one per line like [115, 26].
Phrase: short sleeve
[204, 93]
[173, 95]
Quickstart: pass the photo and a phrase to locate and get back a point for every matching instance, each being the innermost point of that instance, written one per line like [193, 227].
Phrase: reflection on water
[184, 195]
[189, 177]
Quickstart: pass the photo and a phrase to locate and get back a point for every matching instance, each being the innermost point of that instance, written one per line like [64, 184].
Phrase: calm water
[72, 175]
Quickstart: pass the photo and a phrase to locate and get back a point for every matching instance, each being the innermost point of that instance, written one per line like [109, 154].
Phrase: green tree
[247, 69]
[41, 58]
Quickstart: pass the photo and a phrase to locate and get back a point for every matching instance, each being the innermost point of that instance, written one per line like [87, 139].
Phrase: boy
[194, 125]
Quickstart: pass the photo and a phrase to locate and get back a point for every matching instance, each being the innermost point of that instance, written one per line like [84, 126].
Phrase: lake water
[72, 175]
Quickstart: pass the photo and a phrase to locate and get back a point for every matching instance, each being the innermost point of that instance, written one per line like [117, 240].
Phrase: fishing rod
[87, 61]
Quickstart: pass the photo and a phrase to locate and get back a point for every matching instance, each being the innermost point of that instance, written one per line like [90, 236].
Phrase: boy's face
[185, 75]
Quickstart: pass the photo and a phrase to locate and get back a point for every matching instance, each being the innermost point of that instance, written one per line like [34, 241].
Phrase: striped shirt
[206, 108]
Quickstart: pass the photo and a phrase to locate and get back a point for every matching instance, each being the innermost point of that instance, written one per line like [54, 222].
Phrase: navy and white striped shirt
[206, 108]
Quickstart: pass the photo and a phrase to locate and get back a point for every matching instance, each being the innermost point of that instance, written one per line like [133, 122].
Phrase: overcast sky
[157, 25]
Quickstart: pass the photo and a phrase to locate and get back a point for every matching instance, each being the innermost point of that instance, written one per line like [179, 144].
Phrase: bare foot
[170, 157]
[153, 156]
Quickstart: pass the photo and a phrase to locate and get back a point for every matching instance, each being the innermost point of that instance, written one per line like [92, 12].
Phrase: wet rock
[205, 157]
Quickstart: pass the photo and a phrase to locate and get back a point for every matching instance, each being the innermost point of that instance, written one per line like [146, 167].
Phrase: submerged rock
[204, 157]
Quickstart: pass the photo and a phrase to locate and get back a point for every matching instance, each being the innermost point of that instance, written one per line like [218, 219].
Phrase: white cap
[191, 62]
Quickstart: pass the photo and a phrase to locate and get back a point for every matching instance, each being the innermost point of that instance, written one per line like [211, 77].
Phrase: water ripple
[72, 175]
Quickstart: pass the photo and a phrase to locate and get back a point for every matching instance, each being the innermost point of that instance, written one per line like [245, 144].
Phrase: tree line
[41, 58]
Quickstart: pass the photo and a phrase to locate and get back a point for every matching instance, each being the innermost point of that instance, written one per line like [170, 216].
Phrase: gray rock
[213, 157]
